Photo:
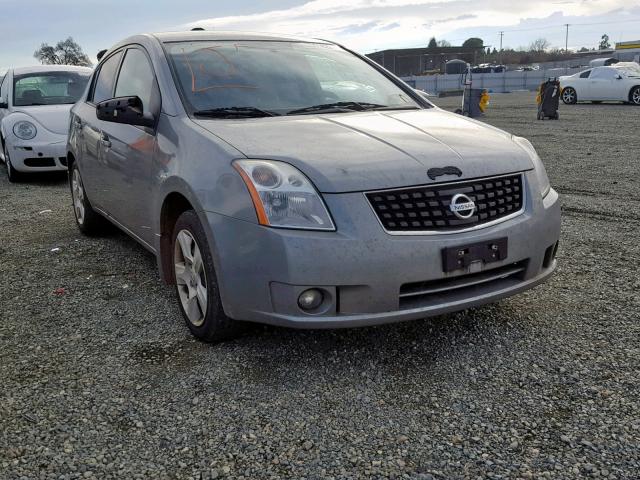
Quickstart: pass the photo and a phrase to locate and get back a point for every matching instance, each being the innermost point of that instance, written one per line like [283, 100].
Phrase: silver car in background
[294, 182]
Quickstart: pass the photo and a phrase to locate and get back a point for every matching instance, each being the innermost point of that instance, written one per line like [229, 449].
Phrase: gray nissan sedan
[294, 182]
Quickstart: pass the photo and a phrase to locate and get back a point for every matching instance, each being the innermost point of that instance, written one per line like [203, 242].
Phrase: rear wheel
[88, 220]
[196, 283]
[12, 174]
[634, 96]
[569, 96]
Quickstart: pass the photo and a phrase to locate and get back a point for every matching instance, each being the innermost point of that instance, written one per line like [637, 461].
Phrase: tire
[89, 222]
[13, 175]
[196, 283]
[634, 96]
[569, 96]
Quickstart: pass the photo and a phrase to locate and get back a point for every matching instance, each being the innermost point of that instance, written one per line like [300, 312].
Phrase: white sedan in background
[619, 82]
[34, 116]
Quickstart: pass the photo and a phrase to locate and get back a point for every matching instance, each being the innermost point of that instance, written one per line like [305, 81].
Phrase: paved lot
[99, 377]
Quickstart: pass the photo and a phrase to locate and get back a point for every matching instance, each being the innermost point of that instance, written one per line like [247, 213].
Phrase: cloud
[367, 25]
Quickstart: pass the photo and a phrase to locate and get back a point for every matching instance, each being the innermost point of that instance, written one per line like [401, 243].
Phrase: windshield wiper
[337, 107]
[239, 112]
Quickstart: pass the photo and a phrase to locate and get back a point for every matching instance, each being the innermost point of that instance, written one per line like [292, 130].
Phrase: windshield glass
[277, 77]
[48, 88]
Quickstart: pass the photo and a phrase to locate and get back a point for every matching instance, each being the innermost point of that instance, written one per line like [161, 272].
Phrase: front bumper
[29, 156]
[362, 269]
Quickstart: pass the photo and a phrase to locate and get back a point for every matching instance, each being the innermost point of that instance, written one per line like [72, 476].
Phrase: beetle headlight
[283, 196]
[24, 130]
[541, 172]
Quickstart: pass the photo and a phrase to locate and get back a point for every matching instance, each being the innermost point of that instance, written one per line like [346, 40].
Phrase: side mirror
[3, 104]
[618, 77]
[127, 110]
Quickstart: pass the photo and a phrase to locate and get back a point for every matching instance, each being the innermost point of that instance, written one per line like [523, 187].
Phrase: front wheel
[196, 283]
[13, 175]
[634, 96]
[569, 96]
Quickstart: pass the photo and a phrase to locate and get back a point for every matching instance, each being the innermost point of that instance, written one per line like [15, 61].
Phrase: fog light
[310, 299]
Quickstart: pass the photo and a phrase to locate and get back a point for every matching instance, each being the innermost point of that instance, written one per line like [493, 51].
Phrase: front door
[129, 150]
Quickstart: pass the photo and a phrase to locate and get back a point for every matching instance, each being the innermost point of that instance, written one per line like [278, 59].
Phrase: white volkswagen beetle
[34, 116]
[614, 83]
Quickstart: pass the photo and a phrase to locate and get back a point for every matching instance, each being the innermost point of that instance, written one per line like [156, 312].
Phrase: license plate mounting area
[474, 256]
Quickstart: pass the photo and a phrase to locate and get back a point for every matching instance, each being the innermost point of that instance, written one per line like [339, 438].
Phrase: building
[628, 51]
[419, 61]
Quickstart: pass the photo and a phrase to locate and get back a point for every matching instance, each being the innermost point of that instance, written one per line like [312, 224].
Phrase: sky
[364, 25]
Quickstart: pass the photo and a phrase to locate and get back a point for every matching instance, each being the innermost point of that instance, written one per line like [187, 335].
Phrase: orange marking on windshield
[201, 69]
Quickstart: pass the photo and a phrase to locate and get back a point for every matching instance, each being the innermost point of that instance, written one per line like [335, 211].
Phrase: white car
[34, 116]
[615, 83]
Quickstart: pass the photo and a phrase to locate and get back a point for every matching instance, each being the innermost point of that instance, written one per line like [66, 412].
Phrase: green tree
[604, 42]
[65, 52]
[432, 43]
[473, 42]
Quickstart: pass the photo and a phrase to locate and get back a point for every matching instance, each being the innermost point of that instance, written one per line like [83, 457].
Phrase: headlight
[24, 130]
[541, 172]
[283, 196]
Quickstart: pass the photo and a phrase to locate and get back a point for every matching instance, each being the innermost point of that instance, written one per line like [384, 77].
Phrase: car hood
[54, 118]
[375, 150]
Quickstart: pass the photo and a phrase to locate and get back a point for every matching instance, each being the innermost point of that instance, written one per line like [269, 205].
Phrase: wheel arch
[631, 91]
[173, 205]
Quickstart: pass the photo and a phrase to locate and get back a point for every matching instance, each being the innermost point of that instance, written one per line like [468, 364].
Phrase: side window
[103, 87]
[4, 87]
[137, 79]
[585, 74]
[604, 73]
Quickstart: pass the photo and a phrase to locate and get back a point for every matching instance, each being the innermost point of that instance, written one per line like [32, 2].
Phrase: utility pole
[501, 35]
[566, 39]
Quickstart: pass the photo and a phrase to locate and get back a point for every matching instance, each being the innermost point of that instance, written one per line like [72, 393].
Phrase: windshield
[48, 88]
[278, 77]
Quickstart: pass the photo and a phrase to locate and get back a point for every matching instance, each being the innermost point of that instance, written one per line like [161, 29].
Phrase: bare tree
[539, 45]
[444, 43]
[65, 52]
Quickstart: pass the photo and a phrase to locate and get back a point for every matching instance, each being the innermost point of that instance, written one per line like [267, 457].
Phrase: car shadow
[274, 356]
[43, 179]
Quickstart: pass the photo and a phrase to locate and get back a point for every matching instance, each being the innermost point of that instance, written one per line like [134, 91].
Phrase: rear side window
[137, 79]
[103, 88]
[585, 74]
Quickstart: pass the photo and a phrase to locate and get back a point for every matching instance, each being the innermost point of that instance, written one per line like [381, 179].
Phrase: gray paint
[260, 269]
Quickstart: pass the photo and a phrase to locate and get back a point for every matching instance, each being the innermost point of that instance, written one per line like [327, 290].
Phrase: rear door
[86, 123]
[130, 150]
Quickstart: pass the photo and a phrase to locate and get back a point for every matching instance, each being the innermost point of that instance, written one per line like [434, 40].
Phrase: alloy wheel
[635, 96]
[191, 279]
[568, 95]
[77, 192]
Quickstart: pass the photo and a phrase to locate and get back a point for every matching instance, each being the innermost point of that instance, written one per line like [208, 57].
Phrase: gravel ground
[101, 379]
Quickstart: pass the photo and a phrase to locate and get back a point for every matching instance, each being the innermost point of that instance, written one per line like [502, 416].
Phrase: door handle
[104, 140]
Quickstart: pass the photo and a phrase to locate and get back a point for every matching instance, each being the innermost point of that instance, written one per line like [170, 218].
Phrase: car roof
[213, 35]
[50, 68]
